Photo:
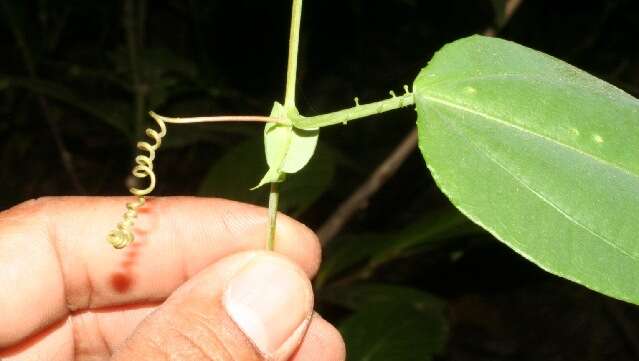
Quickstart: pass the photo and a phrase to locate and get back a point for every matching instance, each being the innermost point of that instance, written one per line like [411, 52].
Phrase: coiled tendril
[122, 235]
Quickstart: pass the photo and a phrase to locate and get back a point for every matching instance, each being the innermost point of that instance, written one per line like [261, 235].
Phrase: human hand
[193, 286]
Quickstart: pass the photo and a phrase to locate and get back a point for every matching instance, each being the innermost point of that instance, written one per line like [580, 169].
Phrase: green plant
[494, 143]
[532, 149]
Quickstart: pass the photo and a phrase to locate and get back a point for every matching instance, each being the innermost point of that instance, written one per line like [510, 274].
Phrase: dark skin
[71, 296]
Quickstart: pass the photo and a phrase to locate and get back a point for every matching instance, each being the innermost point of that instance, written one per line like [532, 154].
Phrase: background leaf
[370, 250]
[395, 328]
[539, 153]
[113, 114]
[361, 295]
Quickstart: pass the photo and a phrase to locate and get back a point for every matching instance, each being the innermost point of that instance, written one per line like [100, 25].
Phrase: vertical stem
[293, 46]
[273, 200]
[289, 103]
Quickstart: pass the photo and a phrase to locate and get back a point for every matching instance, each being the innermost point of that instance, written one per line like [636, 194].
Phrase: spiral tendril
[122, 235]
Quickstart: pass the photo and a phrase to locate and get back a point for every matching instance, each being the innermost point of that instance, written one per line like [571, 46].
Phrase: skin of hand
[195, 284]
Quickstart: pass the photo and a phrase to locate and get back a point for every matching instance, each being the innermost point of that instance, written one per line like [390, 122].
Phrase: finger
[87, 335]
[54, 253]
[99, 333]
[94, 335]
[322, 342]
[249, 306]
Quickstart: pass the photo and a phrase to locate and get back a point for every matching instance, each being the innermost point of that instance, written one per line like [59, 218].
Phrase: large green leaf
[541, 154]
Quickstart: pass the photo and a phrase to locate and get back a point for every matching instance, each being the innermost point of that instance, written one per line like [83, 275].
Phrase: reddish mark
[121, 282]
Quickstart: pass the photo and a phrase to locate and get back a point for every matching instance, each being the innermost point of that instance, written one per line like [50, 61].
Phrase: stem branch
[358, 111]
[222, 118]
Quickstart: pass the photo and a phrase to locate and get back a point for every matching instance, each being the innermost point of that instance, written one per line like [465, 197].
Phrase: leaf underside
[541, 154]
[288, 149]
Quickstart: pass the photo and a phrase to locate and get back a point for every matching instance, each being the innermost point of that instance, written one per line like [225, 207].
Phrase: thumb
[250, 306]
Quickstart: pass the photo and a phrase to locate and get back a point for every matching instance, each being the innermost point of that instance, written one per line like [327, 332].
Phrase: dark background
[74, 76]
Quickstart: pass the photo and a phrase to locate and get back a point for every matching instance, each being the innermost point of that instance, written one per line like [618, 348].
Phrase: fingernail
[272, 303]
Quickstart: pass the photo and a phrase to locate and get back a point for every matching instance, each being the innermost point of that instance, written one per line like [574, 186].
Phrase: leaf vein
[499, 121]
[540, 195]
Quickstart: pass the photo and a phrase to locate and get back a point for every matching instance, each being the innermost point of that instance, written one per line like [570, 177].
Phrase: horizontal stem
[222, 118]
[358, 111]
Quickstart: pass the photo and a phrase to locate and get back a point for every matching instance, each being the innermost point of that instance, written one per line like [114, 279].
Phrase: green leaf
[288, 149]
[232, 175]
[395, 330]
[541, 154]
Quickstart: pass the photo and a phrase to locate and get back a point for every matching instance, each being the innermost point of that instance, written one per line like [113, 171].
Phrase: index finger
[54, 257]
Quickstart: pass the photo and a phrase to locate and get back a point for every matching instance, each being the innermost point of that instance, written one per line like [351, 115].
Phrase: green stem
[273, 200]
[358, 111]
[289, 107]
[293, 46]
[219, 118]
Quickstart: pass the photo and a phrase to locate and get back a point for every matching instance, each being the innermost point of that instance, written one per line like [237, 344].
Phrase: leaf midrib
[463, 108]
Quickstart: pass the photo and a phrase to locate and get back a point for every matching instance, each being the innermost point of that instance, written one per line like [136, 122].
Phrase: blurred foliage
[226, 179]
[393, 323]
[89, 68]
[361, 254]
